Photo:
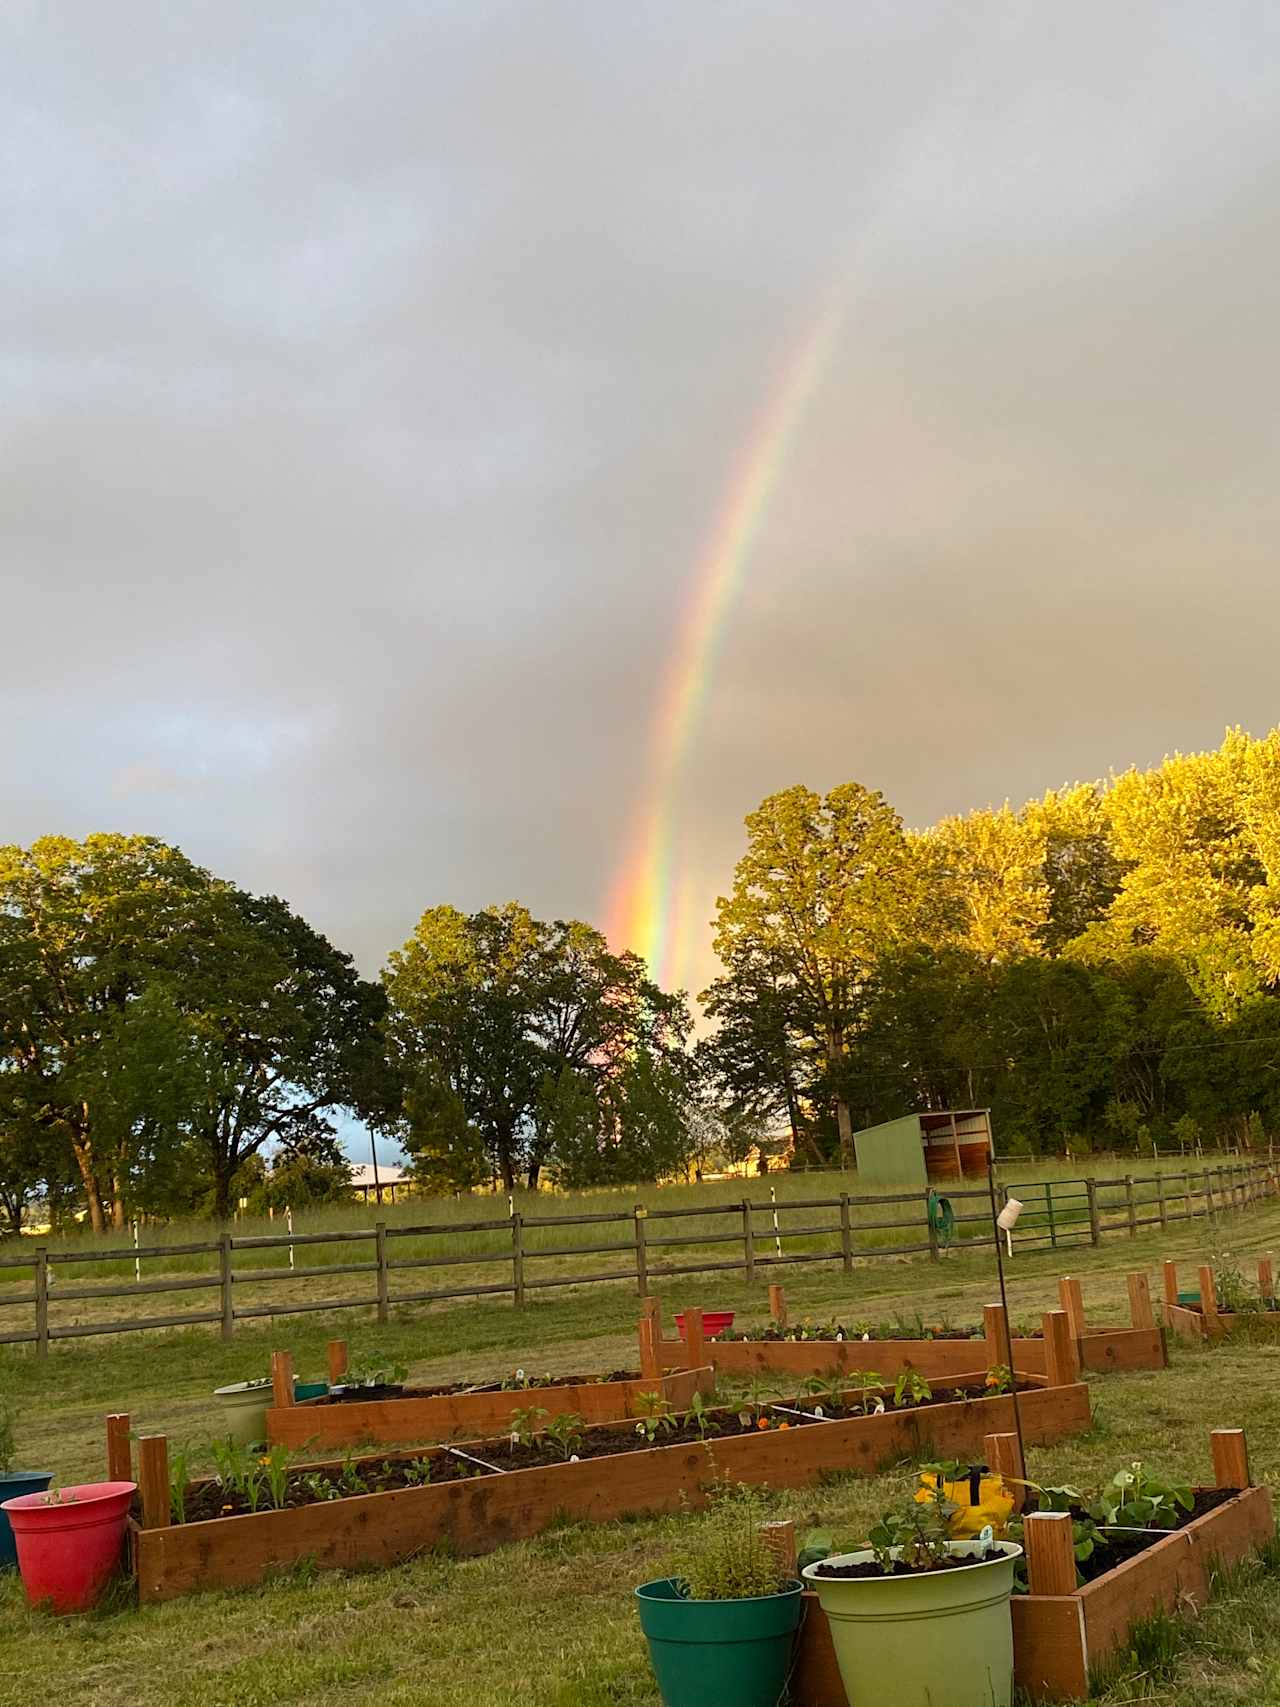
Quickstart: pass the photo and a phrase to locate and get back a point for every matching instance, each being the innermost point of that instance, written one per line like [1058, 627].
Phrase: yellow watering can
[980, 1498]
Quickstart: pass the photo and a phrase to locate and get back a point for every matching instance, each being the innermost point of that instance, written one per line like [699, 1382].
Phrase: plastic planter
[707, 1653]
[70, 1543]
[918, 1640]
[241, 1411]
[713, 1322]
[11, 1486]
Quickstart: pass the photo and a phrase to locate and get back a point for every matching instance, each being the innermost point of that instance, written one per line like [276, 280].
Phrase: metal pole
[373, 1151]
[1004, 1306]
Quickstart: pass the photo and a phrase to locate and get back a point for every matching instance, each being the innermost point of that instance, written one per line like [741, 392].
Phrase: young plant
[727, 1557]
[178, 1467]
[699, 1416]
[418, 1473]
[566, 1430]
[1133, 1499]
[320, 1487]
[919, 1533]
[865, 1380]
[377, 1375]
[349, 1477]
[529, 1424]
[276, 1465]
[656, 1416]
[911, 1388]
[999, 1379]
[1232, 1289]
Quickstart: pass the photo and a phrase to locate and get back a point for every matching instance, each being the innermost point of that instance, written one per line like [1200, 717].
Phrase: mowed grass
[551, 1622]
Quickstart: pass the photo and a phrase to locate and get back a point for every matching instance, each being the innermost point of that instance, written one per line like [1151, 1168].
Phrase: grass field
[550, 1622]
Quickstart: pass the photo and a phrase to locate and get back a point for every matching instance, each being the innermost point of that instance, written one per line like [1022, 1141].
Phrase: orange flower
[762, 1422]
[784, 1425]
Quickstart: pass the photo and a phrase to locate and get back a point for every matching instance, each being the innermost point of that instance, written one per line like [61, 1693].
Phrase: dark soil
[942, 1395]
[871, 1569]
[776, 1335]
[1115, 1552]
[533, 1384]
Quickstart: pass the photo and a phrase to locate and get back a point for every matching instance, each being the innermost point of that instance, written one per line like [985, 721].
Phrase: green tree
[826, 887]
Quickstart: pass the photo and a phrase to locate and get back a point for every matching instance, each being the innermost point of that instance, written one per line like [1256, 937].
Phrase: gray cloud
[373, 379]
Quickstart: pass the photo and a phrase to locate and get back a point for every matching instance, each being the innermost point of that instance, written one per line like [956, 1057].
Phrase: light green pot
[937, 1639]
[241, 1412]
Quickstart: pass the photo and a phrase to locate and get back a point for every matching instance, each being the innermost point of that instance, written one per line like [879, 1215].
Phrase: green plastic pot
[925, 1639]
[241, 1411]
[708, 1653]
[309, 1390]
[1190, 1299]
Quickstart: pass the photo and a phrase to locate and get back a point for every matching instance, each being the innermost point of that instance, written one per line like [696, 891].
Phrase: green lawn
[550, 1622]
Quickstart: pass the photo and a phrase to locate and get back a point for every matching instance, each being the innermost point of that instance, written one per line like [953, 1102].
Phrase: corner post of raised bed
[1140, 1311]
[650, 1363]
[1230, 1458]
[119, 1451]
[996, 1330]
[1266, 1280]
[778, 1304]
[1071, 1299]
[695, 1349]
[1208, 1293]
[1170, 1287]
[1061, 1360]
[153, 1480]
[638, 1217]
[335, 1356]
[1004, 1459]
[281, 1379]
[780, 1538]
[748, 1245]
[1051, 1554]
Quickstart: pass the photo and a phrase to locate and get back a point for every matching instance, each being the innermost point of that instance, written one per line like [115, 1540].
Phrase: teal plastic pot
[309, 1390]
[1190, 1299]
[708, 1653]
[18, 1482]
[925, 1639]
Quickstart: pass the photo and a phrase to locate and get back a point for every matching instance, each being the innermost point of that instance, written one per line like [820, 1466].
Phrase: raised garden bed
[1201, 1315]
[1054, 1353]
[444, 1413]
[1063, 1631]
[474, 1508]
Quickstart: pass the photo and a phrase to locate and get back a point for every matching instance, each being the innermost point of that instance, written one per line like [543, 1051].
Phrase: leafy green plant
[919, 1533]
[1133, 1499]
[1232, 1289]
[727, 1558]
[865, 1380]
[349, 1477]
[656, 1416]
[911, 1388]
[320, 1487]
[999, 1379]
[699, 1416]
[179, 1462]
[529, 1424]
[566, 1431]
[276, 1465]
[377, 1375]
[418, 1473]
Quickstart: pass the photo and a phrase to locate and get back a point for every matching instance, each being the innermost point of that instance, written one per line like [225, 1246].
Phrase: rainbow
[653, 899]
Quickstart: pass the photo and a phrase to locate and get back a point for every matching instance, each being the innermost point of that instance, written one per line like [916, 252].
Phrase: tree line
[1099, 967]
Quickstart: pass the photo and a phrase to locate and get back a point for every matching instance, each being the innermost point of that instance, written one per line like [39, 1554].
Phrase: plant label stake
[1003, 1221]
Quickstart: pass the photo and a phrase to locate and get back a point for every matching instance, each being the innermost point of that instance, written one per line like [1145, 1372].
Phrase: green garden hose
[942, 1218]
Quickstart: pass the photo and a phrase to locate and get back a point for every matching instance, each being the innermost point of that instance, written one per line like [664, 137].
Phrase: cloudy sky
[374, 378]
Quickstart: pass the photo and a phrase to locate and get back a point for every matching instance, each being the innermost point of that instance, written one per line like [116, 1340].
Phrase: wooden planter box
[1061, 1633]
[1210, 1323]
[477, 1515]
[1141, 1346]
[447, 1416]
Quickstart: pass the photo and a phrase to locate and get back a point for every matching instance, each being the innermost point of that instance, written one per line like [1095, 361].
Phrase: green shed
[917, 1149]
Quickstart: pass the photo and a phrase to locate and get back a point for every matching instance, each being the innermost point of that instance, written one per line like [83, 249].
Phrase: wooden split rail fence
[758, 1236]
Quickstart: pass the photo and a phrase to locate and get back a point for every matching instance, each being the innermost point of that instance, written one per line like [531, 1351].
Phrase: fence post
[1164, 1207]
[224, 1274]
[517, 1257]
[642, 1255]
[1208, 1194]
[1130, 1206]
[1095, 1225]
[380, 1240]
[748, 1242]
[1048, 1204]
[42, 1301]
[846, 1234]
[933, 1231]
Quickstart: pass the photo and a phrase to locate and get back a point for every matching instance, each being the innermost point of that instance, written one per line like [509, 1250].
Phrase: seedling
[656, 1416]
[566, 1430]
[911, 1388]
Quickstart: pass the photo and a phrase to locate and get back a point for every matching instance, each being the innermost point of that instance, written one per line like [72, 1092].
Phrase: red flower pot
[713, 1322]
[69, 1542]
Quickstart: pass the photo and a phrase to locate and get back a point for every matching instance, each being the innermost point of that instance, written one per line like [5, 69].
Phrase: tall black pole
[997, 1234]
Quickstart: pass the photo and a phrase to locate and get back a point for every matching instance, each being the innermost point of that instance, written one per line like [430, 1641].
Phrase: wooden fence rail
[1056, 1212]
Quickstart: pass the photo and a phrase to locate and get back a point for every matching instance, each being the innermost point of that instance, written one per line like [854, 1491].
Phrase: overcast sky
[373, 377]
